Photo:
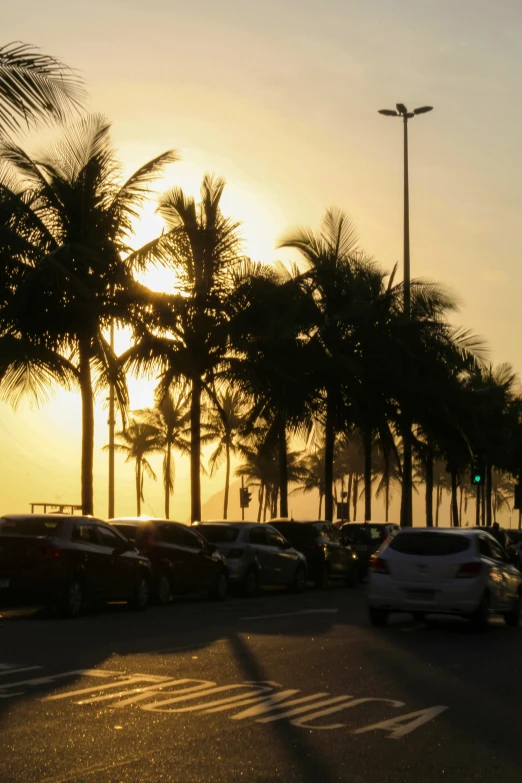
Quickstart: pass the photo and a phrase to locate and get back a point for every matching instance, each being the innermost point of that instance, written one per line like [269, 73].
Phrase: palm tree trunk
[439, 499]
[386, 497]
[355, 493]
[429, 486]
[320, 504]
[454, 503]
[461, 500]
[406, 486]
[195, 450]
[168, 461]
[138, 487]
[349, 496]
[329, 444]
[87, 427]
[260, 501]
[367, 442]
[489, 483]
[227, 478]
[283, 469]
[477, 506]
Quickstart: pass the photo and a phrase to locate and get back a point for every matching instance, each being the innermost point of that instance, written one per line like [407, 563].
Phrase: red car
[69, 561]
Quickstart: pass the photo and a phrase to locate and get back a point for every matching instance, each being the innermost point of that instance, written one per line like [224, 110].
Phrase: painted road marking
[291, 614]
[6, 668]
[264, 702]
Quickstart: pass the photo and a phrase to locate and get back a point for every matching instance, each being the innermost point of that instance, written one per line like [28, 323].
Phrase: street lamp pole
[407, 486]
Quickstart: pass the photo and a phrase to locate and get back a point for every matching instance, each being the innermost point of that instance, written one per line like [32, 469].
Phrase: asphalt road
[278, 688]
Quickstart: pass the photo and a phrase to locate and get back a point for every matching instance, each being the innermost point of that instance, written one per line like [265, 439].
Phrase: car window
[129, 531]
[326, 533]
[358, 534]
[496, 551]
[191, 539]
[377, 533]
[85, 534]
[257, 535]
[30, 526]
[274, 538]
[336, 534]
[219, 534]
[109, 538]
[429, 543]
[483, 546]
[297, 532]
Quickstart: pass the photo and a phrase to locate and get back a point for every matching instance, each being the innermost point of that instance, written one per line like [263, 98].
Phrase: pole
[242, 506]
[112, 423]
[406, 499]
[407, 297]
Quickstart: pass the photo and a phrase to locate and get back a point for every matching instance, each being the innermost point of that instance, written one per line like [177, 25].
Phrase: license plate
[421, 595]
[4, 583]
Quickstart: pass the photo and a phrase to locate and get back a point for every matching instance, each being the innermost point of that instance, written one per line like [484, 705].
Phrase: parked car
[366, 538]
[455, 571]
[257, 555]
[69, 561]
[328, 556]
[183, 561]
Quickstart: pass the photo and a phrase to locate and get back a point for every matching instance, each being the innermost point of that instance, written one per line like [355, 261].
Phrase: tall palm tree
[170, 418]
[223, 422]
[34, 87]
[137, 441]
[188, 338]
[270, 357]
[68, 244]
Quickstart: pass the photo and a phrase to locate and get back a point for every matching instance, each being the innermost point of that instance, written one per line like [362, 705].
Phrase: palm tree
[223, 422]
[188, 337]
[137, 441]
[34, 86]
[169, 418]
[312, 466]
[270, 358]
[67, 241]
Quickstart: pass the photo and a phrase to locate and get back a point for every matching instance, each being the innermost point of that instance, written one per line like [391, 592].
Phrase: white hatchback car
[446, 571]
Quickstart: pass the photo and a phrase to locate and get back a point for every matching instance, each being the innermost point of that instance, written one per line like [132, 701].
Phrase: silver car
[257, 555]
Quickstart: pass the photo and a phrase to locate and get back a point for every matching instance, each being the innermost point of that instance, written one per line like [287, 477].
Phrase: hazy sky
[280, 97]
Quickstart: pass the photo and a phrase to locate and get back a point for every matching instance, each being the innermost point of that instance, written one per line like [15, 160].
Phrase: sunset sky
[280, 97]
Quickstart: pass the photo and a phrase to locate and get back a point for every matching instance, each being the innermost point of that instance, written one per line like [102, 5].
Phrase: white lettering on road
[258, 701]
[404, 724]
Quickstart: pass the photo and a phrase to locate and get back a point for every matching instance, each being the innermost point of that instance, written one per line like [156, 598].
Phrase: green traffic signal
[477, 478]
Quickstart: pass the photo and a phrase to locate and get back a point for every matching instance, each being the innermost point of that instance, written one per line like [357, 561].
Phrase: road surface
[278, 688]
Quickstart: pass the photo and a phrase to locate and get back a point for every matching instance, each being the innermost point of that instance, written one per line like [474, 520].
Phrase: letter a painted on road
[404, 724]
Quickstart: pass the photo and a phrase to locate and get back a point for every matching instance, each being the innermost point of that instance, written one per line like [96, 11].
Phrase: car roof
[284, 520]
[377, 524]
[231, 523]
[467, 531]
[70, 517]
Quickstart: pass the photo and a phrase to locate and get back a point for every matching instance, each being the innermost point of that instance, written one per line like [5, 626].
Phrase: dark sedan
[69, 561]
[366, 538]
[182, 560]
[327, 554]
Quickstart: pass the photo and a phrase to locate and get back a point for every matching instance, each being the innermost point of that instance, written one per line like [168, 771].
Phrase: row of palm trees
[320, 350]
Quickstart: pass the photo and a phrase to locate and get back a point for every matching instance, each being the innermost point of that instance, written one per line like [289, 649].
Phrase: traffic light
[478, 471]
[245, 496]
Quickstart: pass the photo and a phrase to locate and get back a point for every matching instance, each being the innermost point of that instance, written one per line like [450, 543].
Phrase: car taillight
[469, 570]
[378, 565]
[236, 553]
[50, 553]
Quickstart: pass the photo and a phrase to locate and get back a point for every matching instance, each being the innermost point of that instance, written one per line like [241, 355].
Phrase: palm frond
[35, 86]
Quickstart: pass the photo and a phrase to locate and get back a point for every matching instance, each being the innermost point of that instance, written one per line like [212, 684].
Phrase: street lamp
[407, 468]
[406, 115]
